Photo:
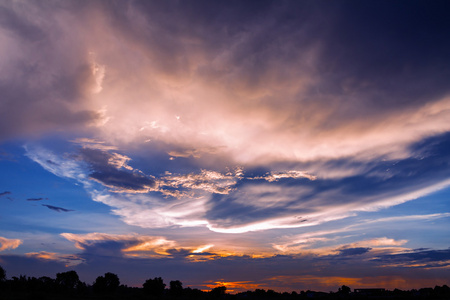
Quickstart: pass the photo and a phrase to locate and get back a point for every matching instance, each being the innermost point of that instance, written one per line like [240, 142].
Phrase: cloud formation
[37, 199]
[353, 266]
[238, 200]
[57, 208]
[41, 86]
[131, 243]
[334, 105]
[247, 78]
[9, 243]
[330, 128]
[67, 260]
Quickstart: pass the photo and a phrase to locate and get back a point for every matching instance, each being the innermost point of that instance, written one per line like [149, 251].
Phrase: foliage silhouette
[67, 281]
[176, 288]
[106, 284]
[218, 291]
[2, 274]
[68, 286]
[154, 287]
[344, 290]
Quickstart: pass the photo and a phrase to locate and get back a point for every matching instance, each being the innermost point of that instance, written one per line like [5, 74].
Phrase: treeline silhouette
[67, 285]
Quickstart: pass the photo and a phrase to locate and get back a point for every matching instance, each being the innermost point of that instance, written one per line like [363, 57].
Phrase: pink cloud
[9, 243]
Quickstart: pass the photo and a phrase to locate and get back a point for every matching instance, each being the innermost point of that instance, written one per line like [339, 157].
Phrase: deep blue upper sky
[258, 144]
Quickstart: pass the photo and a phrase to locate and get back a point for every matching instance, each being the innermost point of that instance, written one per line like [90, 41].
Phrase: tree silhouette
[218, 291]
[46, 284]
[176, 288]
[2, 274]
[154, 287]
[67, 281]
[344, 290]
[106, 284]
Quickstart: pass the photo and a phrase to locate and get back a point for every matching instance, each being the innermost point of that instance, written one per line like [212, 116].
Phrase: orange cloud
[9, 243]
[132, 242]
[234, 286]
[135, 245]
[68, 260]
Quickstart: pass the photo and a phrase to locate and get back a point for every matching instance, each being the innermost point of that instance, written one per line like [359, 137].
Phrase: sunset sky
[286, 145]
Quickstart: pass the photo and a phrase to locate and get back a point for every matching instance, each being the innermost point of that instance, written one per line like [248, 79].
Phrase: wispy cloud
[275, 176]
[423, 258]
[37, 199]
[5, 193]
[236, 201]
[68, 260]
[409, 218]
[56, 208]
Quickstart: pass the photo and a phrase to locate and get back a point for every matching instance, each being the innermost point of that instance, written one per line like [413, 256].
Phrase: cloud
[237, 200]
[422, 258]
[147, 247]
[9, 243]
[112, 170]
[243, 77]
[128, 243]
[5, 193]
[37, 199]
[324, 243]
[333, 101]
[354, 251]
[275, 176]
[56, 208]
[201, 265]
[40, 84]
[328, 134]
[68, 260]
[56, 164]
[209, 181]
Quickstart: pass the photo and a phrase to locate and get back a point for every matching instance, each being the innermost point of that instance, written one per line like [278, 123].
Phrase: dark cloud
[112, 249]
[39, 83]
[106, 168]
[32, 111]
[123, 181]
[56, 208]
[19, 26]
[5, 193]
[391, 53]
[36, 199]
[354, 251]
[426, 258]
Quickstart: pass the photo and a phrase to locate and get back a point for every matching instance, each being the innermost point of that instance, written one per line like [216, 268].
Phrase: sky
[285, 145]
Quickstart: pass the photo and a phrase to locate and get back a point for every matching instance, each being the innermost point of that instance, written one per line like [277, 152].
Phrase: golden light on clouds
[9, 243]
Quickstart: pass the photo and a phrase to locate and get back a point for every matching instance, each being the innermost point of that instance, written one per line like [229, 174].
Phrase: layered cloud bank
[249, 86]
[238, 200]
[377, 262]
